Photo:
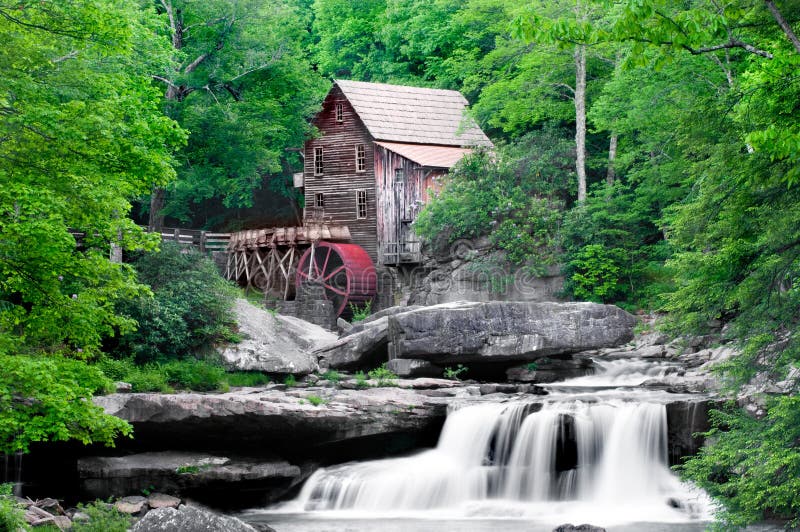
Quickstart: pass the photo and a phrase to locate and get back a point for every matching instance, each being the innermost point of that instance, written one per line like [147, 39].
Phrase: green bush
[455, 373]
[496, 197]
[247, 378]
[383, 376]
[753, 465]
[192, 374]
[290, 381]
[316, 400]
[103, 517]
[187, 374]
[12, 516]
[361, 313]
[332, 376]
[189, 310]
[361, 380]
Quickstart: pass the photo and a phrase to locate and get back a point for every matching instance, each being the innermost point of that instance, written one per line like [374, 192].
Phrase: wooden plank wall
[393, 208]
[340, 179]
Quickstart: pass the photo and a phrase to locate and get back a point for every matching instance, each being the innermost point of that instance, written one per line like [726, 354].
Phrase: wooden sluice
[267, 259]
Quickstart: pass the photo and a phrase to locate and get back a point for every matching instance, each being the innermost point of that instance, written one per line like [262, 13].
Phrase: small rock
[62, 522]
[160, 500]
[344, 326]
[80, 516]
[579, 528]
[133, 505]
[123, 387]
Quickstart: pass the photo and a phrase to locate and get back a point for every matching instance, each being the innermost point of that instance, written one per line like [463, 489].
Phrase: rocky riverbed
[253, 446]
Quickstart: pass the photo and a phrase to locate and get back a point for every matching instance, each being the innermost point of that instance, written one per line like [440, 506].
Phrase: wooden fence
[205, 241]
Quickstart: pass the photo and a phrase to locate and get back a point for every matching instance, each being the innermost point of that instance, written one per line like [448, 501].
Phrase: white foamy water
[621, 372]
[580, 461]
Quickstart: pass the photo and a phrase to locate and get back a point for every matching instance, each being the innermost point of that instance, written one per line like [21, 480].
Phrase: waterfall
[523, 459]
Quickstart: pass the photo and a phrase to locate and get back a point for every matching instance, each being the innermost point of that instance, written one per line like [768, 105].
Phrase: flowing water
[593, 451]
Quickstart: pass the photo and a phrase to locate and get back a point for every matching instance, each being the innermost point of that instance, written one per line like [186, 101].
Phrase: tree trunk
[580, 119]
[612, 157]
[156, 220]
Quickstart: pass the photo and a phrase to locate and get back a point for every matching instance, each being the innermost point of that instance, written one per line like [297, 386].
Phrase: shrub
[290, 381]
[361, 313]
[361, 380]
[383, 376]
[103, 517]
[12, 516]
[190, 306]
[332, 376]
[484, 196]
[193, 374]
[316, 400]
[247, 378]
[455, 374]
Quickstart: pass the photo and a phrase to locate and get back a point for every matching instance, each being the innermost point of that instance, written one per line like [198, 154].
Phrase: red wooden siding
[340, 180]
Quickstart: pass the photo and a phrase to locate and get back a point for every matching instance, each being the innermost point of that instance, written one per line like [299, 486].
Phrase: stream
[592, 451]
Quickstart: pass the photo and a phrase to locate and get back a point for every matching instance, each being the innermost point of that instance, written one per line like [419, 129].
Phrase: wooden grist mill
[276, 261]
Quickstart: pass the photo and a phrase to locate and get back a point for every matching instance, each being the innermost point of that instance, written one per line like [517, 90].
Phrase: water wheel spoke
[335, 290]
[327, 257]
[334, 272]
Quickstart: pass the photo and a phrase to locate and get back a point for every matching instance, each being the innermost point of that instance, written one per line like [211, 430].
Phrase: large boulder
[361, 347]
[189, 519]
[505, 332]
[274, 343]
[292, 422]
[478, 332]
[181, 472]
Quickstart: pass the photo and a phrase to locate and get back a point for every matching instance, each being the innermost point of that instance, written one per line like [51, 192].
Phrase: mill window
[361, 204]
[339, 112]
[318, 166]
[361, 158]
[319, 199]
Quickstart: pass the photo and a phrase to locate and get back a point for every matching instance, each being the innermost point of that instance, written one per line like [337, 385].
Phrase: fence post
[202, 241]
[176, 234]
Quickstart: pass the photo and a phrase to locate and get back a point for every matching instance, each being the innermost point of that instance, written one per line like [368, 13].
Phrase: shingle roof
[427, 155]
[413, 114]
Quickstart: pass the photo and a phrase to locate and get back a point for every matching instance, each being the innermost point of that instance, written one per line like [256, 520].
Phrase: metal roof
[427, 155]
[398, 113]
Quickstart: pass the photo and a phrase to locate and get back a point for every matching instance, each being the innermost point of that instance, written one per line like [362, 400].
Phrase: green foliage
[190, 307]
[531, 366]
[290, 381]
[382, 376]
[332, 376]
[361, 313]
[12, 515]
[187, 469]
[316, 400]
[455, 373]
[165, 377]
[483, 197]
[361, 380]
[247, 378]
[48, 398]
[83, 136]
[241, 83]
[103, 517]
[753, 465]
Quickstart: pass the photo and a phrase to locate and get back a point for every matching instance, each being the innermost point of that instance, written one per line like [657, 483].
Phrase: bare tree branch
[733, 43]
[191, 66]
[787, 29]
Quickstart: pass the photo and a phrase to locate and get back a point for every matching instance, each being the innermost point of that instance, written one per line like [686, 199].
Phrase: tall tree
[82, 134]
[240, 83]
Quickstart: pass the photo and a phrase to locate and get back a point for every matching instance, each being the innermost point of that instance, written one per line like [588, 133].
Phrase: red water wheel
[344, 270]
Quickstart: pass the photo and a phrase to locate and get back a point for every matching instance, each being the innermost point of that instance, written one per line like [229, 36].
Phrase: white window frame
[361, 204]
[339, 112]
[361, 161]
[319, 199]
[319, 161]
